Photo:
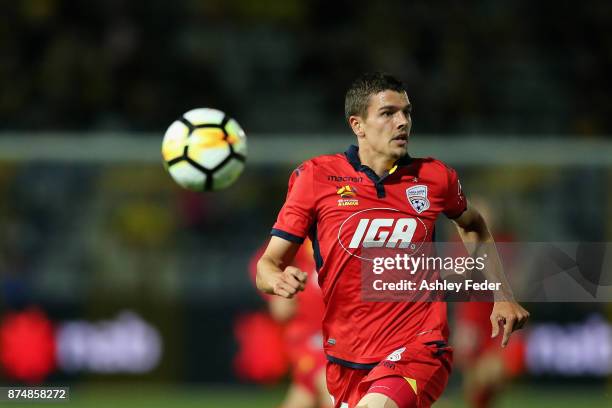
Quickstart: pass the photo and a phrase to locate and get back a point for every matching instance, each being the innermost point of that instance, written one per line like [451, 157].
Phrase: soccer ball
[204, 150]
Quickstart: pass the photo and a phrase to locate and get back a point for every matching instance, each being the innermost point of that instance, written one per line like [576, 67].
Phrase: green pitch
[151, 396]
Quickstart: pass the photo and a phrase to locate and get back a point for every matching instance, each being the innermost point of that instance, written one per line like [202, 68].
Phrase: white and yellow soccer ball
[204, 150]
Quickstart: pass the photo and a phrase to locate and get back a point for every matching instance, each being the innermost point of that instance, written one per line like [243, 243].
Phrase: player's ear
[356, 124]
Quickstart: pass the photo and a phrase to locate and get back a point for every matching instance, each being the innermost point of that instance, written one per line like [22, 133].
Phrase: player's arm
[274, 273]
[479, 241]
[282, 309]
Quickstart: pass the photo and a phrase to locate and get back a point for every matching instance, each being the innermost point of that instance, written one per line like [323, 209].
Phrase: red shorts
[425, 367]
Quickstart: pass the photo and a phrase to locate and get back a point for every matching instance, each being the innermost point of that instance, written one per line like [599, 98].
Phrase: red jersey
[342, 205]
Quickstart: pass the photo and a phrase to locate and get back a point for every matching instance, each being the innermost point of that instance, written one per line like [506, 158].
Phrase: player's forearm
[268, 271]
[494, 271]
[480, 244]
[281, 309]
[476, 231]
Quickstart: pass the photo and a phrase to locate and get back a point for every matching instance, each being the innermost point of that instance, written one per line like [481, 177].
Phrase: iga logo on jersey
[417, 197]
[381, 228]
[384, 232]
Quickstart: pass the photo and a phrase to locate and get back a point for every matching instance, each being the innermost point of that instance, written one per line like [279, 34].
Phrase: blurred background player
[298, 322]
[486, 367]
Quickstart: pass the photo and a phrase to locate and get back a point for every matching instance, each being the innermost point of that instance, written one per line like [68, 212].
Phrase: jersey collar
[352, 155]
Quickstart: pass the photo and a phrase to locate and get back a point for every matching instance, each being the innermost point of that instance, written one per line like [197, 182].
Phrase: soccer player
[301, 319]
[380, 354]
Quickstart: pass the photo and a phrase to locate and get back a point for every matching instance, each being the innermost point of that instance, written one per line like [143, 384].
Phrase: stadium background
[141, 282]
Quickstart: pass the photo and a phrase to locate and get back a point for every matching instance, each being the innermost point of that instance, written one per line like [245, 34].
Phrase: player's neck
[377, 162]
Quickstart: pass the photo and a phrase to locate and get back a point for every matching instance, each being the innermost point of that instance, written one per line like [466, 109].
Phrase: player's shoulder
[432, 164]
[326, 161]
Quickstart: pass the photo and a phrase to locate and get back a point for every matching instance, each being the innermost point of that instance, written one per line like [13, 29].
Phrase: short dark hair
[369, 83]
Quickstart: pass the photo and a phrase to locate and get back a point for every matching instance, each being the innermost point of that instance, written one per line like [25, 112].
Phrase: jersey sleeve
[455, 202]
[297, 215]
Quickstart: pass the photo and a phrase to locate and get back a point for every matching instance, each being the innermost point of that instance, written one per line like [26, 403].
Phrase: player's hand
[291, 281]
[511, 315]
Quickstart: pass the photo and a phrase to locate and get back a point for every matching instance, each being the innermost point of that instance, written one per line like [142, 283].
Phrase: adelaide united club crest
[417, 197]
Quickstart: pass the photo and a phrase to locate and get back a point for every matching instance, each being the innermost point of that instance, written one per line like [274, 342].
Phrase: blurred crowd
[503, 67]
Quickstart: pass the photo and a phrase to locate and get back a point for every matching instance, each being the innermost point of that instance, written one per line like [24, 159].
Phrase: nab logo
[385, 228]
[384, 232]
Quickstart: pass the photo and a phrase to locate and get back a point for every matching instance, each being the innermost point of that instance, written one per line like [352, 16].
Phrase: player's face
[386, 128]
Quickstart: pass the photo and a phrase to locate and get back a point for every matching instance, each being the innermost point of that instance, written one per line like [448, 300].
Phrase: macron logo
[384, 232]
[340, 179]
